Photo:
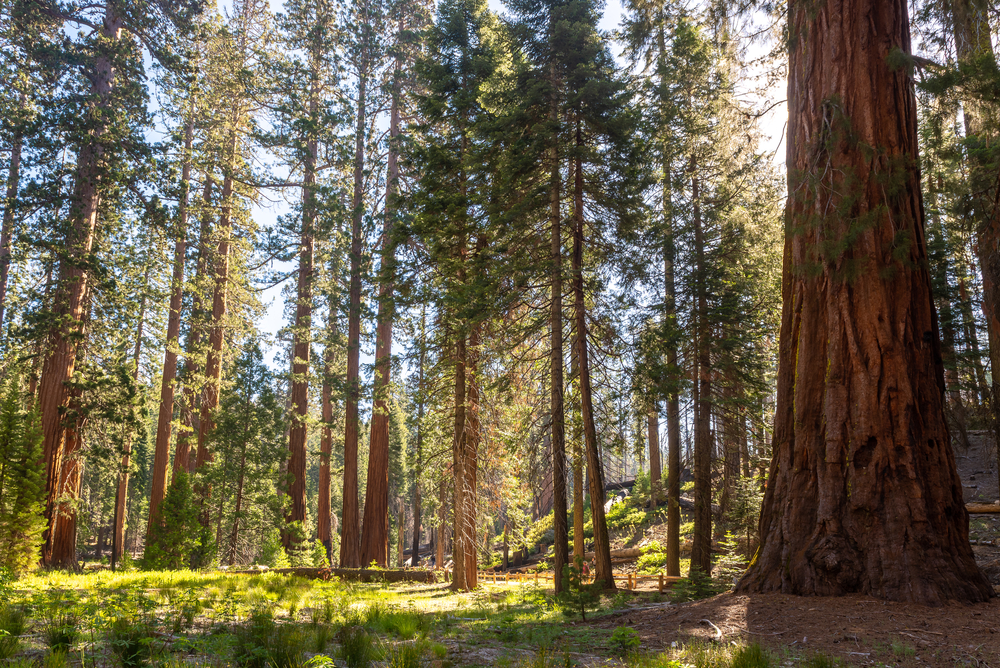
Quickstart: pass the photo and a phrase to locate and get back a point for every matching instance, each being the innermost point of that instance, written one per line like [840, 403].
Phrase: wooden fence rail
[630, 580]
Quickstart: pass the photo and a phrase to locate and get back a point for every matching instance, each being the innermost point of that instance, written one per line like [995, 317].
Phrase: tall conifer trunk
[375, 538]
[71, 288]
[602, 547]
[302, 333]
[458, 463]
[419, 454]
[863, 493]
[701, 546]
[161, 452]
[193, 357]
[217, 331]
[10, 201]
[970, 21]
[557, 406]
[350, 539]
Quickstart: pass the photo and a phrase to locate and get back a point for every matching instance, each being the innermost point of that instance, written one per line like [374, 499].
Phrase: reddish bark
[701, 542]
[193, 358]
[375, 538]
[301, 338]
[863, 493]
[350, 542]
[557, 405]
[10, 201]
[458, 581]
[217, 331]
[71, 288]
[473, 437]
[161, 451]
[653, 436]
[323, 510]
[595, 475]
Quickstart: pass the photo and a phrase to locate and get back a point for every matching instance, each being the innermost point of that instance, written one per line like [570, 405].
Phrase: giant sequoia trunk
[375, 538]
[350, 539]
[68, 306]
[863, 494]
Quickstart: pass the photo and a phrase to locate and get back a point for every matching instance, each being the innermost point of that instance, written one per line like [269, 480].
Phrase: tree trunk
[471, 460]
[557, 407]
[161, 453]
[71, 288]
[458, 462]
[217, 332]
[302, 335]
[419, 464]
[970, 19]
[10, 202]
[193, 358]
[350, 540]
[324, 513]
[121, 493]
[863, 493]
[602, 547]
[653, 435]
[375, 537]
[673, 398]
[701, 546]
[442, 522]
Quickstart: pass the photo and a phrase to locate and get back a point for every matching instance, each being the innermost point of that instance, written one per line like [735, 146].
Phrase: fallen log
[355, 574]
[624, 553]
[983, 508]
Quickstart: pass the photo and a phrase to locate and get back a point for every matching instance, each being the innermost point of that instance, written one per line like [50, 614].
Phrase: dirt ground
[857, 629]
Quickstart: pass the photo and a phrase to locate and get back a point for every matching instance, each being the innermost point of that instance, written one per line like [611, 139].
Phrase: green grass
[130, 620]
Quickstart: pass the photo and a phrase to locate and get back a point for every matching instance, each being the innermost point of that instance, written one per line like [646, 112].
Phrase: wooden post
[661, 583]
[536, 577]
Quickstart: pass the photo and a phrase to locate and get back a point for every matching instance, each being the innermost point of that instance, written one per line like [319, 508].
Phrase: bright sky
[274, 319]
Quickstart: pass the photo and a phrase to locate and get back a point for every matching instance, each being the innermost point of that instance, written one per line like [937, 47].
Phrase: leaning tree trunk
[863, 493]
[595, 477]
[161, 452]
[350, 539]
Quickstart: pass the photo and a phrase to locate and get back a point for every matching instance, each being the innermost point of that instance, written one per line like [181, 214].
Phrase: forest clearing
[446, 333]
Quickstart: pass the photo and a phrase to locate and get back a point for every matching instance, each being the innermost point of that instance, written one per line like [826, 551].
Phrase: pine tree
[22, 483]
[175, 537]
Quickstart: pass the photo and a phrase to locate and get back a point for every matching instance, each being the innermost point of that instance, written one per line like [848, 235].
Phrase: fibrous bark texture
[863, 493]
